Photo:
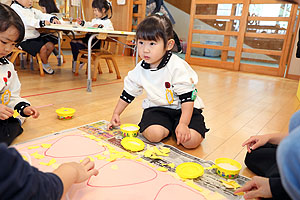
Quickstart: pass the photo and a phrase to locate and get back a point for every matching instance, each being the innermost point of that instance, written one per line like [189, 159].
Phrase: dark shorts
[95, 43]
[9, 130]
[33, 46]
[169, 118]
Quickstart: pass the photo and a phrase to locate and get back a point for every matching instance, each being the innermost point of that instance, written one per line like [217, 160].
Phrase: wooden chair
[17, 51]
[97, 54]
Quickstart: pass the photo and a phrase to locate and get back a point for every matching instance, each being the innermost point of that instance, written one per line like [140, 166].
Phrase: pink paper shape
[73, 146]
[128, 173]
[178, 192]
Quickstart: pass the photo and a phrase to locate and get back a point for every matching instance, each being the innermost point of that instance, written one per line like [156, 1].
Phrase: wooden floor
[238, 105]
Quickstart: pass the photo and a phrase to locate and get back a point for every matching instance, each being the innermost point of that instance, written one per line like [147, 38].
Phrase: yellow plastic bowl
[228, 168]
[65, 113]
[129, 130]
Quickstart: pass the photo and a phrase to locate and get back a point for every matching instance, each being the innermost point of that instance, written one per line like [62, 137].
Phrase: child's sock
[47, 69]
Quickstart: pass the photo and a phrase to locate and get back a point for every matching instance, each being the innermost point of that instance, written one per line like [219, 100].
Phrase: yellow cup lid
[132, 144]
[189, 170]
[65, 111]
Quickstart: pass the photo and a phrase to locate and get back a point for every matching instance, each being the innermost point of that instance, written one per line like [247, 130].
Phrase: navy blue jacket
[19, 180]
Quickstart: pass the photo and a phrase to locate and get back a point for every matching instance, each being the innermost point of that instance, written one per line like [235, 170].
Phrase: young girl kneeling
[172, 104]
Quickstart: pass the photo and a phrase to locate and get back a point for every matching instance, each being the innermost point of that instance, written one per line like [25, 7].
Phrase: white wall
[295, 62]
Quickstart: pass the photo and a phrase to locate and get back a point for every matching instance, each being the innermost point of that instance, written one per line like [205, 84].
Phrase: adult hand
[183, 133]
[256, 141]
[5, 112]
[115, 121]
[258, 187]
[31, 111]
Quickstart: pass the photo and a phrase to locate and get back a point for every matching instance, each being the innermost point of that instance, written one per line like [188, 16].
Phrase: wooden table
[96, 32]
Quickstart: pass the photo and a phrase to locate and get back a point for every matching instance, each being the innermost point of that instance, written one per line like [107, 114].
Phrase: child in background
[102, 20]
[48, 6]
[34, 42]
[172, 104]
[11, 32]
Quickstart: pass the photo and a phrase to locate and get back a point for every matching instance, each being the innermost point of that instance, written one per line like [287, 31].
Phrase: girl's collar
[164, 61]
[104, 18]
[3, 61]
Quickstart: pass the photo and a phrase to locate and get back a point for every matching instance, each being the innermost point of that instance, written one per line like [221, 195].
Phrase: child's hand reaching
[31, 111]
[183, 133]
[256, 141]
[115, 121]
[5, 112]
[73, 172]
[257, 188]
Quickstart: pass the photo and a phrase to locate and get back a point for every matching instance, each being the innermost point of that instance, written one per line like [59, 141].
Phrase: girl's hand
[78, 20]
[31, 111]
[256, 141]
[56, 21]
[115, 121]
[47, 22]
[183, 133]
[257, 188]
[5, 112]
[95, 25]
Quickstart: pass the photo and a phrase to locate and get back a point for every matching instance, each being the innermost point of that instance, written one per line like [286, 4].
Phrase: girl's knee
[43, 50]
[194, 142]
[50, 46]
[155, 133]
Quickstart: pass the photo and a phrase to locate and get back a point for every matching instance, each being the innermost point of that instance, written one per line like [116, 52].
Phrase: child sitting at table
[11, 32]
[34, 42]
[101, 9]
[172, 105]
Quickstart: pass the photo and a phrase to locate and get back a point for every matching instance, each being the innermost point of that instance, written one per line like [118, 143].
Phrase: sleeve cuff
[53, 18]
[186, 97]
[277, 190]
[20, 108]
[126, 97]
[42, 23]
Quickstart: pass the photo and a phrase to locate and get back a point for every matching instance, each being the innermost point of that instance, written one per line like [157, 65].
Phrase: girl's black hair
[49, 5]
[102, 4]
[8, 18]
[155, 27]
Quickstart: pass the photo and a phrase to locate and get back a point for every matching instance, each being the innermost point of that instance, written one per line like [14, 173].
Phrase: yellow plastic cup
[130, 130]
[228, 168]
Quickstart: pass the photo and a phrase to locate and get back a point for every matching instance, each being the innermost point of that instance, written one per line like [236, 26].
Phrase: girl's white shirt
[12, 85]
[177, 72]
[107, 24]
[31, 18]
